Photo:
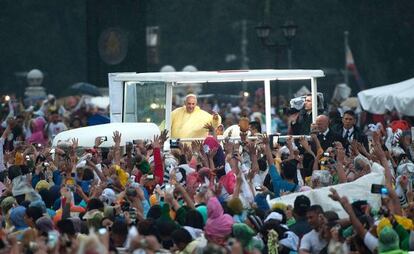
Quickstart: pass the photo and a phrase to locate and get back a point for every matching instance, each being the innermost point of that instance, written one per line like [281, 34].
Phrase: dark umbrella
[83, 88]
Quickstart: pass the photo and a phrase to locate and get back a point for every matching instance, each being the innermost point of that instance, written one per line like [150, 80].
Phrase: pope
[189, 120]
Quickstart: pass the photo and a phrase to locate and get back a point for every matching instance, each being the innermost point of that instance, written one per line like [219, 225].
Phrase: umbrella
[83, 88]
[351, 102]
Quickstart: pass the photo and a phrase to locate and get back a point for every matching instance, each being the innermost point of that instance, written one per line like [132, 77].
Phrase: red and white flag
[350, 65]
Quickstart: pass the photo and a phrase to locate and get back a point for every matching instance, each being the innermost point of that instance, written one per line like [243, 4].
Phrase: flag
[350, 65]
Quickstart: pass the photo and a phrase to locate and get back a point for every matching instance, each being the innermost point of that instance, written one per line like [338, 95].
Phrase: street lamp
[289, 32]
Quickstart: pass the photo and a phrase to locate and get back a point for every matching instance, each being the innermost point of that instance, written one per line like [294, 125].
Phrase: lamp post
[289, 32]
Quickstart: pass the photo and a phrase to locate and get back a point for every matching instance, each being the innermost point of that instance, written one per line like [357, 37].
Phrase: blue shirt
[280, 185]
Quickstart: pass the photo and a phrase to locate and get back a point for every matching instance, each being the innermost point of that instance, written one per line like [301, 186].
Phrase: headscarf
[235, 205]
[44, 224]
[108, 196]
[229, 182]
[220, 158]
[388, 240]
[7, 203]
[218, 225]
[244, 234]
[17, 217]
[42, 184]
[37, 132]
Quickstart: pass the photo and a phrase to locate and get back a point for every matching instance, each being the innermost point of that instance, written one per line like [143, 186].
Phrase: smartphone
[102, 231]
[376, 188]
[150, 177]
[132, 179]
[169, 188]
[274, 140]
[52, 238]
[174, 143]
[104, 138]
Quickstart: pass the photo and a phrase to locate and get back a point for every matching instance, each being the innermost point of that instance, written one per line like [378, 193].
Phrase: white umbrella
[398, 96]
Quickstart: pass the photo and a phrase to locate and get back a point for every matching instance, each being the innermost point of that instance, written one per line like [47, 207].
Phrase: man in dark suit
[300, 122]
[349, 131]
[326, 136]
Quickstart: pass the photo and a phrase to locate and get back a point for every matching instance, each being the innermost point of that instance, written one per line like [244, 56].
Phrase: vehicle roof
[219, 76]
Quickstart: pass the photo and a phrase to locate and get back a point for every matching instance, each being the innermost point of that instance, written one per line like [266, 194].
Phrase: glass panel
[147, 101]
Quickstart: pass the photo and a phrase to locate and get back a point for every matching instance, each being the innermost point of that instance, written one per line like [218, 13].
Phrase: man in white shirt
[312, 242]
[55, 126]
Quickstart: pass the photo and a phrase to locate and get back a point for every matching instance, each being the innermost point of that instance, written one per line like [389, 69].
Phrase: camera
[174, 143]
[327, 162]
[52, 239]
[125, 206]
[132, 214]
[102, 231]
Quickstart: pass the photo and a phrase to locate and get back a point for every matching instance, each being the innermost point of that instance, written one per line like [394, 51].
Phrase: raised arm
[357, 225]
[340, 160]
[158, 163]
[117, 147]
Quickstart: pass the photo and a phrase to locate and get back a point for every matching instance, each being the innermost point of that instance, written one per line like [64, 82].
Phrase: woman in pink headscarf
[37, 127]
[219, 225]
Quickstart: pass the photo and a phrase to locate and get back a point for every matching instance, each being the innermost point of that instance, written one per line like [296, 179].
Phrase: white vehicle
[147, 97]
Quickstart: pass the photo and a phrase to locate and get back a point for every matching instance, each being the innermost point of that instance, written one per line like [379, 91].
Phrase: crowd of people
[209, 196]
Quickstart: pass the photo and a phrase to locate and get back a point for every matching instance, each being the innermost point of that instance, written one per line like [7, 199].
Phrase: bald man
[189, 120]
[326, 136]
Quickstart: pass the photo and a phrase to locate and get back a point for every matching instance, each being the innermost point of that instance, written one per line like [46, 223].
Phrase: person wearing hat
[189, 120]
[17, 215]
[245, 235]
[389, 242]
[300, 208]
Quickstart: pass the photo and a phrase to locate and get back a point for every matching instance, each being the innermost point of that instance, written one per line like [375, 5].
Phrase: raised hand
[156, 142]
[293, 117]
[199, 146]
[340, 152]
[354, 147]
[212, 152]
[334, 195]
[376, 138]
[378, 151]
[209, 127]
[251, 148]
[303, 142]
[98, 141]
[117, 137]
[265, 139]
[163, 136]
[215, 116]
[75, 143]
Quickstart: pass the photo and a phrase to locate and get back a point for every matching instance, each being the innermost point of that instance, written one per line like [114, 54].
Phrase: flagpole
[346, 50]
